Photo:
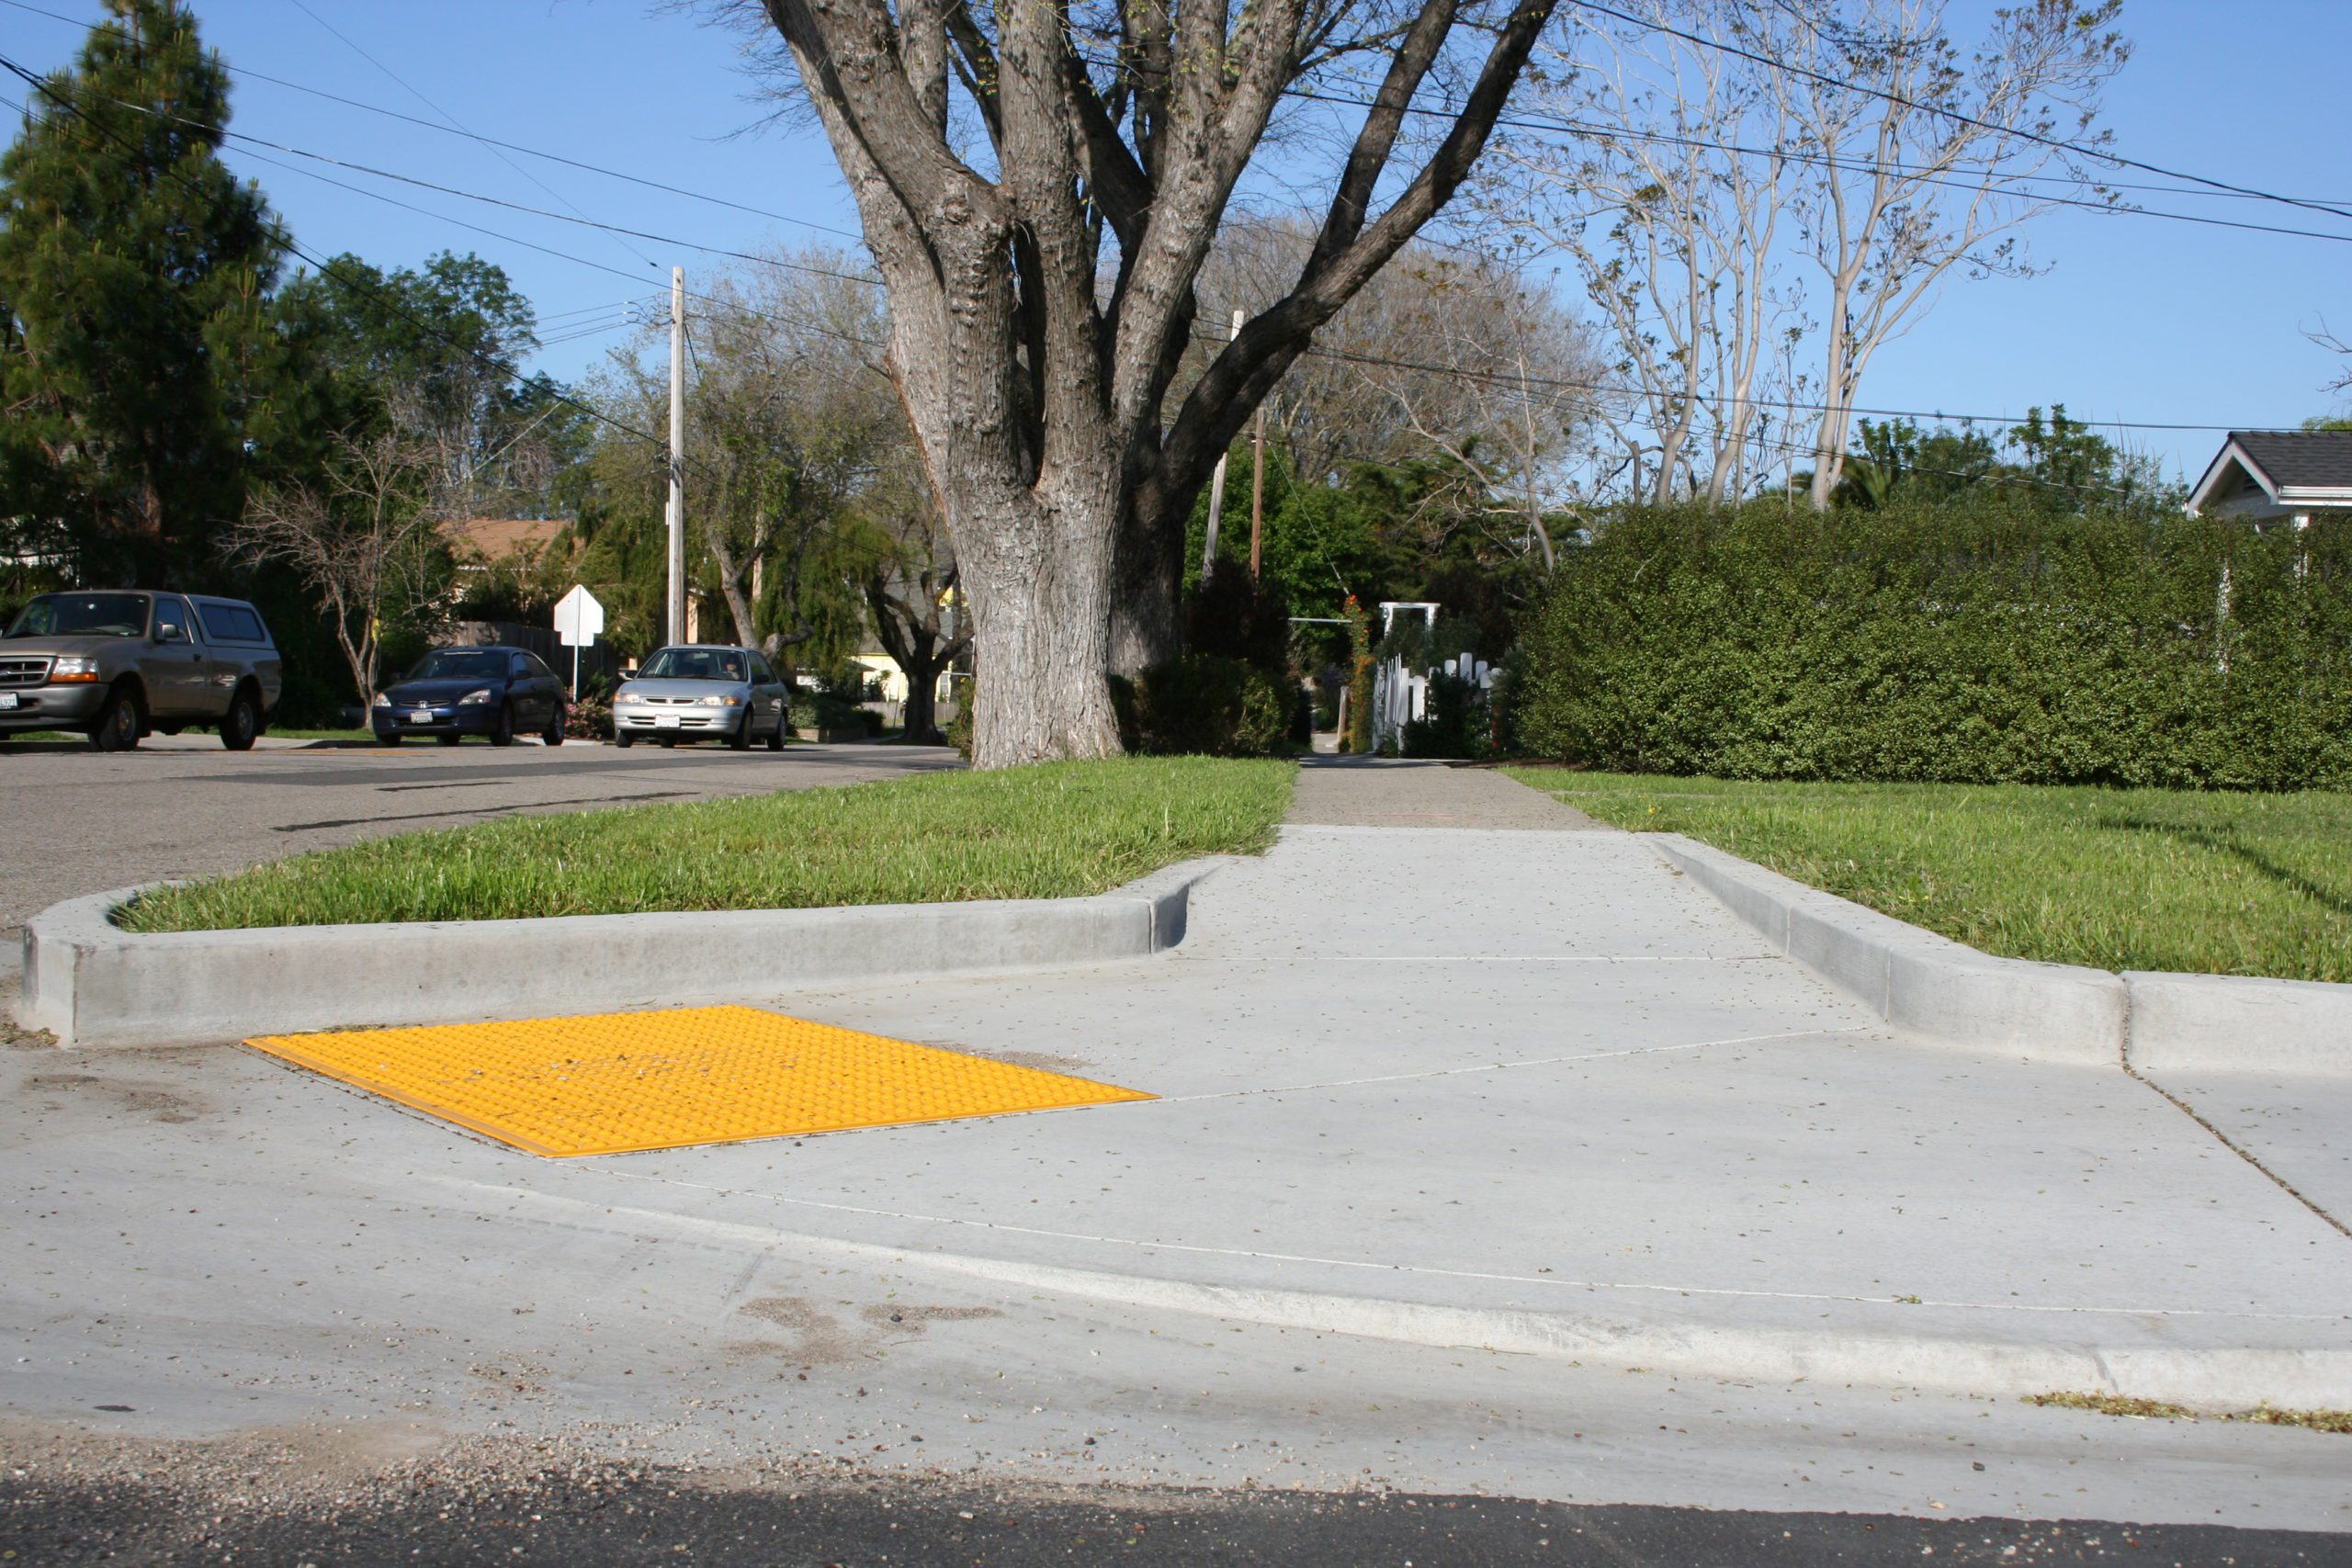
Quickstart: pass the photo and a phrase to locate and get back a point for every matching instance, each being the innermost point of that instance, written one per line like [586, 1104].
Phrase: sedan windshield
[693, 664]
[83, 614]
[460, 664]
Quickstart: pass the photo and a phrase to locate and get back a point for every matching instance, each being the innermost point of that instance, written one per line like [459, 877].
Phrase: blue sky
[2138, 319]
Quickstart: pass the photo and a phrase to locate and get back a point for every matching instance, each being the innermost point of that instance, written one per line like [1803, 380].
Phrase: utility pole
[1217, 495]
[1257, 490]
[675, 630]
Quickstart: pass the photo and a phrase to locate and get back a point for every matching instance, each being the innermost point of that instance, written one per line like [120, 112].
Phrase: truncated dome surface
[609, 1083]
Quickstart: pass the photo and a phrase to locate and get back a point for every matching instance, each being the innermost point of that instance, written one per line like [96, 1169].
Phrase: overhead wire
[493, 142]
[2056, 143]
[868, 280]
[325, 269]
[413, 92]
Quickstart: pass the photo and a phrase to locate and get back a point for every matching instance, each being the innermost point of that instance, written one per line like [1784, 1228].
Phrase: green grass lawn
[2206, 883]
[1058, 831]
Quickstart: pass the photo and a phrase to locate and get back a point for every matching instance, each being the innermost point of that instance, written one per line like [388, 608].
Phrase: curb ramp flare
[621, 1083]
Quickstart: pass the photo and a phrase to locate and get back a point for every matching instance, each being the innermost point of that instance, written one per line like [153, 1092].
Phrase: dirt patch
[1043, 1061]
[904, 1320]
[2335, 1421]
[817, 1337]
[131, 1096]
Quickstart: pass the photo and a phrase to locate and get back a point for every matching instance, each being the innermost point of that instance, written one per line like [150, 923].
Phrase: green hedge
[1981, 642]
[1211, 705]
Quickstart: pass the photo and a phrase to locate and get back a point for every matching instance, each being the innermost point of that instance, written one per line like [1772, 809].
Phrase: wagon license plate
[421, 716]
[665, 721]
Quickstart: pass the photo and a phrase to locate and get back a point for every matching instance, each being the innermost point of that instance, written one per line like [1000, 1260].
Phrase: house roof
[2289, 468]
[491, 538]
[2300, 459]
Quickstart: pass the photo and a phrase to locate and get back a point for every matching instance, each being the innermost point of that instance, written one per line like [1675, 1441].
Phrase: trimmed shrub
[959, 728]
[1984, 641]
[590, 718]
[1458, 724]
[1233, 618]
[1209, 704]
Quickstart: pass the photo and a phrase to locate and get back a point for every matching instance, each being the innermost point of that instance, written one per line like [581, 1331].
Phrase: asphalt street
[590, 1517]
[82, 822]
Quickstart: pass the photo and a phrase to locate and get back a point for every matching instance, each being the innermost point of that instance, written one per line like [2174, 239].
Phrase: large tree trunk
[1147, 621]
[1038, 566]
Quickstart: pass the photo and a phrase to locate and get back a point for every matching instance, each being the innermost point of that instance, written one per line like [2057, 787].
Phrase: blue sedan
[496, 693]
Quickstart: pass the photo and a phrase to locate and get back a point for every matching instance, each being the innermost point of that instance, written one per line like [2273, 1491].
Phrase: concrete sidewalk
[1427, 1094]
[1534, 1090]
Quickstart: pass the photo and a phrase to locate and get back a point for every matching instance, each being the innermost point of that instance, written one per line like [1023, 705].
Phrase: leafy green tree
[434, 353]
[135, 270]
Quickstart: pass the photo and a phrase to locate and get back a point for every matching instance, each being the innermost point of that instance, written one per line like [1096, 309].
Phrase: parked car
[497, 693]
[119, 665]
[703, 691]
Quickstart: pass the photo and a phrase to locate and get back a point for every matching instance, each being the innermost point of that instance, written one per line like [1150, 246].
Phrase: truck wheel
[118, 721]
[240, 723]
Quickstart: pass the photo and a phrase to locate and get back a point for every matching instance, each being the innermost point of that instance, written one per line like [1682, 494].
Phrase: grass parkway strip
[1064, 830]
[2195, 882]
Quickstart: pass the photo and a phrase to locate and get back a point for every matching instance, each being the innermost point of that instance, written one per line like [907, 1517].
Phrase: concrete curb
[2239, 1022]
[1946, 990]
[1677, 1343]
[92, 984]
[1913, 978]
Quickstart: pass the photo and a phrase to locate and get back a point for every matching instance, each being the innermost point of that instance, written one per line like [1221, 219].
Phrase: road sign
[578, 617]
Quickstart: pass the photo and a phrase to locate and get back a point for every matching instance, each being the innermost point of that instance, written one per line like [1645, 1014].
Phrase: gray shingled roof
[2300, 459]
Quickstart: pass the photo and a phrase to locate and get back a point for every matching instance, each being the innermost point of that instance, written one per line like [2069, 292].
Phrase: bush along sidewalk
[1986, 640]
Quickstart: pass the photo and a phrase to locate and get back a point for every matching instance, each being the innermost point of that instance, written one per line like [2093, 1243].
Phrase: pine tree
[135, 274]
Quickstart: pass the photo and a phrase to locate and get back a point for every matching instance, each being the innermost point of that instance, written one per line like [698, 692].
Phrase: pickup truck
[120, 665]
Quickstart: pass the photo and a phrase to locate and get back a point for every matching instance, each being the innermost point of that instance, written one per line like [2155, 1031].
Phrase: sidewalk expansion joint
[2223, 1139]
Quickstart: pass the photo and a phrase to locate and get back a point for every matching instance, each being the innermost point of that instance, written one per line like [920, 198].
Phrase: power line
[444, 114]
[1453, 371]
[1916, 173]
[2055, 143]
[504, 370]
[869, 281]
[490, 141]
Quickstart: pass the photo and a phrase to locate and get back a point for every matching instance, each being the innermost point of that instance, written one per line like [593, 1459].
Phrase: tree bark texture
[1037, 389]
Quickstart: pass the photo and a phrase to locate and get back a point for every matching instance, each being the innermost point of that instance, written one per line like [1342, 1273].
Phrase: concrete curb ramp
[92, 984]
[1945, 991]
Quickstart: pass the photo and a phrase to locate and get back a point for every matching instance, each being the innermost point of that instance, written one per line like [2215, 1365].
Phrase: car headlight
[626, 694]
[481, 695]
[729, 701]
[74, 667]
[381, 700]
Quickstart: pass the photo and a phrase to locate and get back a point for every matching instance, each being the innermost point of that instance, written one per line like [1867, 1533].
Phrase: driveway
[81, 822]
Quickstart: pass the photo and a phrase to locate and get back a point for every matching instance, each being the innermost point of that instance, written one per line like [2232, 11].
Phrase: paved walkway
[1474, 1142]
[1369, 792]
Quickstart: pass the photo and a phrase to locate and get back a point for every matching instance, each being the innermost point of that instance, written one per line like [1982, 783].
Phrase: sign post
[578, 619]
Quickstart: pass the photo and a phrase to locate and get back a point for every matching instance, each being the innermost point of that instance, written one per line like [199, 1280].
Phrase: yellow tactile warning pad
[611, 1083]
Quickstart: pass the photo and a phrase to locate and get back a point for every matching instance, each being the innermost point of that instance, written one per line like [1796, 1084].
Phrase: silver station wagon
[703, 691]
